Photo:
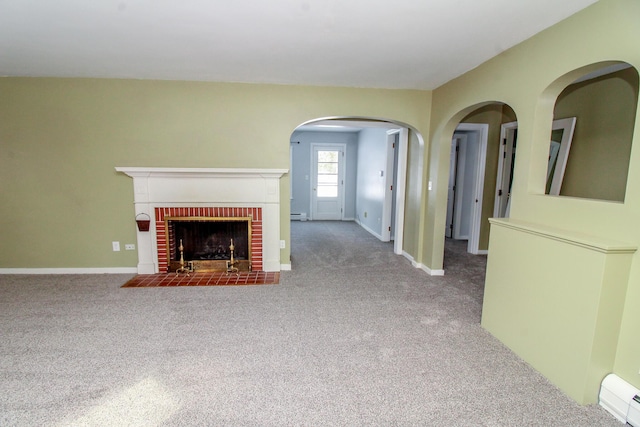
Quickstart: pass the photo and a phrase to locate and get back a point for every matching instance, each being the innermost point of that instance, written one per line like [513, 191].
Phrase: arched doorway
[473, 169]
[361, 162]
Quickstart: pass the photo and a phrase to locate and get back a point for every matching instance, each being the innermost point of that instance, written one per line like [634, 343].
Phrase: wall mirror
[561, 137]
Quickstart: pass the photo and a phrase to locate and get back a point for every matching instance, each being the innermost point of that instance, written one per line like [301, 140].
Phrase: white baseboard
[377, 235]
[422, 267]
[409, 257]
[483, 252]
[285, 267]
[107, 270]
[429, 271]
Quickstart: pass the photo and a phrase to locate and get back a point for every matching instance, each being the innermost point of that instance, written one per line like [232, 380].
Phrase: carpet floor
[352, 336]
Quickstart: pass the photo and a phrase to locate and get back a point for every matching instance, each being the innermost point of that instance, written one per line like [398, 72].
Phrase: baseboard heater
[621, 399]
[299, 216]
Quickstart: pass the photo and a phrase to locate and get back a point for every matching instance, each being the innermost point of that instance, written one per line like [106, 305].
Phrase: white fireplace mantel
[215, 187]
[200, 172]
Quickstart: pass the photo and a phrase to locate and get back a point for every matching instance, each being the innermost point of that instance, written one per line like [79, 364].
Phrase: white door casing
[506, 162]
[451, 193]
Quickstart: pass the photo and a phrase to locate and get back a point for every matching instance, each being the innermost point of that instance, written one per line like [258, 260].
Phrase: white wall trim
[400, 190]
[429, 271]
[381, 238]
[285, 267]
[97, 270]
[422, 267]
[408, 256]
[504, 129]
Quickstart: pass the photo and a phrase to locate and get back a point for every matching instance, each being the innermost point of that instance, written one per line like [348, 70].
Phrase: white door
[463, 185]
[328, 181]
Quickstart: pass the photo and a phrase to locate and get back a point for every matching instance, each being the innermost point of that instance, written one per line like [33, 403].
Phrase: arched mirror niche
[593, 124]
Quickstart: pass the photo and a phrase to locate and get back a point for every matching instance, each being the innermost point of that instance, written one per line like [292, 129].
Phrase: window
[328, 173]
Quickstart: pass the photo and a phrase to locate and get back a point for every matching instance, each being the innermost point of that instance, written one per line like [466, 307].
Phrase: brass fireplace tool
[189, 268]
[231, 264]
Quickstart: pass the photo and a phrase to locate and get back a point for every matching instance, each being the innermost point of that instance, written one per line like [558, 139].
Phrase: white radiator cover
[633, 417]
[621, 399]
[299, 216]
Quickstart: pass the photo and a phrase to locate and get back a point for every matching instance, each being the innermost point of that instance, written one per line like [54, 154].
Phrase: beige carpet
[353, 336]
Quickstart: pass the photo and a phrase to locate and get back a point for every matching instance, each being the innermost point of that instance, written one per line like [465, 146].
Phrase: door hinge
[391, 188]
[393, 145]
[504, 141]
[499, 192]
[389, 228]
[504, 154]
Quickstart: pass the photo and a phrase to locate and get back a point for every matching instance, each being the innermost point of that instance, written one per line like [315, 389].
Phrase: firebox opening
[207, 242]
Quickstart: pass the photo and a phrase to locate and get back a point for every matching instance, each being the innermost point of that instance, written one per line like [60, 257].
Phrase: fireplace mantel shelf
[140, 172]
[157, 187]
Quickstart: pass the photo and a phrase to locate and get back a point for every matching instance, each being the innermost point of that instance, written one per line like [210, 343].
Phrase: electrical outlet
[116, 246]
[129, 247]
[283, 244]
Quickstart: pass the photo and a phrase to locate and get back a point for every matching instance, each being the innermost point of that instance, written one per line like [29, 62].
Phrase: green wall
[63, 202]
[528, 78]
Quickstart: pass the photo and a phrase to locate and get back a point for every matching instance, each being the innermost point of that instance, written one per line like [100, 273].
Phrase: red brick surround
[256, 229]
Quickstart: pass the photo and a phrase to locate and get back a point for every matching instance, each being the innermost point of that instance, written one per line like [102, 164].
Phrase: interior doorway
[384, 167]
[466, 184]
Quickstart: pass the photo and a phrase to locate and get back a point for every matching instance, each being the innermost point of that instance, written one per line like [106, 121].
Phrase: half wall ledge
[556, 298]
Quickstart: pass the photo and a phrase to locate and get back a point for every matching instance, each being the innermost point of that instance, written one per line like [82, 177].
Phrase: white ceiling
[411, 44]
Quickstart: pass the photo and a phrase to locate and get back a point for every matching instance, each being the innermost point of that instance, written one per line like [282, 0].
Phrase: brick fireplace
[200, 192]
[164, 246]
